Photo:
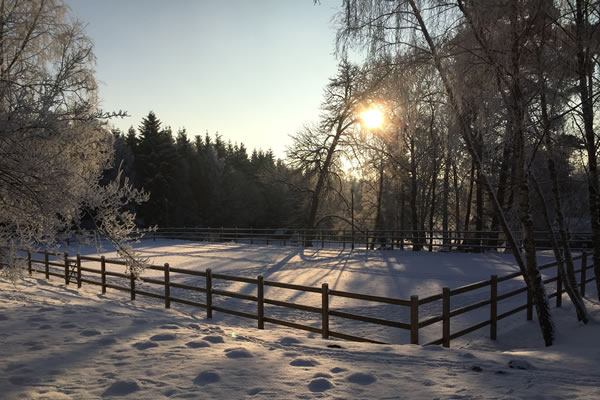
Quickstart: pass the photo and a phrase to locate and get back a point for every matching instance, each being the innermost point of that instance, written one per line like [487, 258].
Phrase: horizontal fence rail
[466, 241]
[70, 269]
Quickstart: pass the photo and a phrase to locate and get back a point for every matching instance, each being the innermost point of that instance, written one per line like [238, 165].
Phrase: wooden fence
[390, 239]
[71, 269]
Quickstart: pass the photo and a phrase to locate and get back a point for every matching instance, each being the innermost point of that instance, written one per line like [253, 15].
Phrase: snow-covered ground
[397, 274]
[59, 342]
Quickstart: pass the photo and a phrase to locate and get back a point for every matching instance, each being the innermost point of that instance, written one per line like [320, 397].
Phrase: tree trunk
[445, 195]
[517, 109]
[502, 182]
[316, 194]
[478, 214]
[413, 197]
[560, 219]
[570, 286]
[434, 175]
[378, 234]
[466, 241]
[456, 203]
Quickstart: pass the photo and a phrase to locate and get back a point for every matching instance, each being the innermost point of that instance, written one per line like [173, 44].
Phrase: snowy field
[396, 274]
[60, 342]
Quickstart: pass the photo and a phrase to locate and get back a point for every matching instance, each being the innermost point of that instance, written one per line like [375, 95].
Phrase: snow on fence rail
[71, 269]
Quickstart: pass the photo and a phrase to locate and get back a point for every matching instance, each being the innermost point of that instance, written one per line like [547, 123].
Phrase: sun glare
[372, 118]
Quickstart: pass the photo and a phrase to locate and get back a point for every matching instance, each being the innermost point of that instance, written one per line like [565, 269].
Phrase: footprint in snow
[162, 337]
[46, 326]
[169, 326]
[13, 366]
[213, 339]
[197, 344]
[520, 364]
[238, 352]
[254, 391]
[361, 379]
[319, 385]
[432, 347]
[321, 375]
[90, 332]
[286, 341]
[144, 345]
[206, 378]
[106, 341]
[19, 380]
[3, 317]
[121, 363]
[121, 388]
[337, 370]
[44, 309]
[68, 326]
[304, 362]
[37, 347]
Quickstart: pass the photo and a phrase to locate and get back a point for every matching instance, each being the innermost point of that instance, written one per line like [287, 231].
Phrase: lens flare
[372, 118]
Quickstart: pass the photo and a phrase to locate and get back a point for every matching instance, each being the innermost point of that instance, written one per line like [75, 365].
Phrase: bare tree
[316, 150]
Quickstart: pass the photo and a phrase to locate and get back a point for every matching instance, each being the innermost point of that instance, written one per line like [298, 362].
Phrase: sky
[253, 71]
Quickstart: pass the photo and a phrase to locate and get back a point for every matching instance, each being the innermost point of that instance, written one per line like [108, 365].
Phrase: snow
[59, 342]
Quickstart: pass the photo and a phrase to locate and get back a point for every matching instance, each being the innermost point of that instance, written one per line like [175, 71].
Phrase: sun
[372, 118]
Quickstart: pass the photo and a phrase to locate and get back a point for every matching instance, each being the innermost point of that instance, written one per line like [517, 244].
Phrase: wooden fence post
[494, 307]
[414, 319]
[66, 268]
[29, 263]
[529, 305]
[325, 310]
[445, 317]
[78, 270]
[46, 265]
[260, 288]
[103, 273]
[209, 293]
[559, 288]
[167, 286]
[132, 285]
[583, 271]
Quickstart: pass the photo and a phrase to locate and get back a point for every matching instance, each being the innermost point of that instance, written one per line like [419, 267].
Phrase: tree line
[205, 181]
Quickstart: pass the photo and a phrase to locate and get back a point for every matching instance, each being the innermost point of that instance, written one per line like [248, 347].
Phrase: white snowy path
[60, 343]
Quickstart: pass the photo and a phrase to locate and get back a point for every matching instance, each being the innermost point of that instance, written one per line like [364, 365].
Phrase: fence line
[390, 239]
[72, 268]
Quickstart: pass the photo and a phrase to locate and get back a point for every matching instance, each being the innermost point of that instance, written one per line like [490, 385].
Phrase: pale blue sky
[253, 70]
